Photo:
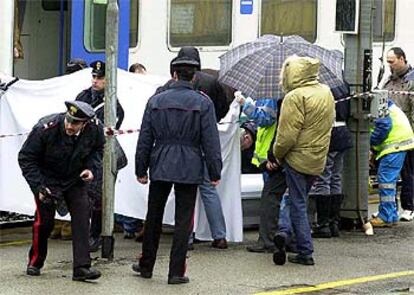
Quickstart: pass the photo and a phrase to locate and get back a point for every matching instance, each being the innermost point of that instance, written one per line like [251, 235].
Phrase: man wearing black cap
[95, 96]
[61, 155]
[178, 127]
[210, 86]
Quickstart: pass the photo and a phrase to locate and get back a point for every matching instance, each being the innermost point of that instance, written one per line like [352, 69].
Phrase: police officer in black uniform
[94, 96]
[178, 138]
[58, 159]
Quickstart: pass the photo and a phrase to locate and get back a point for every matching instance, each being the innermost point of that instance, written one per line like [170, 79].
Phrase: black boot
[323, 205]
[334, 218]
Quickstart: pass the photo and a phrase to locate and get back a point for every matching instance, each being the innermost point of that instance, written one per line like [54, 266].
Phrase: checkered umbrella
[254, 67]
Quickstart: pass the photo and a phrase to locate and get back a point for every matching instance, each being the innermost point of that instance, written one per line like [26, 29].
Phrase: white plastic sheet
[27, 101]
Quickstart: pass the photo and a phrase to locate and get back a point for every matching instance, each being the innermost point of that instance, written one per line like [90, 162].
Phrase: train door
[40, 38]
[88, 25]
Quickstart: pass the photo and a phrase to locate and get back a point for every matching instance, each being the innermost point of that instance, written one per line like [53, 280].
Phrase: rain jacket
[403, 82]
[263, 112]
[392, 133]
[306, 118]
[178, 133]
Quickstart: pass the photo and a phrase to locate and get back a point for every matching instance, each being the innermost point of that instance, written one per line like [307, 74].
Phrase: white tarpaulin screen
[27, 101]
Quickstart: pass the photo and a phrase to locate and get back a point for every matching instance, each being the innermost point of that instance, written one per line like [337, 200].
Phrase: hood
[298, 72]
[190, 52]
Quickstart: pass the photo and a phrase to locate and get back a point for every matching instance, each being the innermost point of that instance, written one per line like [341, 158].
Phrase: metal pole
[109, 161]
[358, 50]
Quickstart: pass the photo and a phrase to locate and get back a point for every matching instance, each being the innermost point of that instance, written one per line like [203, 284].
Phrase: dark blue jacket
[178, 133]
[51, 158]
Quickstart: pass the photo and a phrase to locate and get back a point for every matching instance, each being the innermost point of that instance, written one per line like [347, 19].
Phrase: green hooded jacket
[306, 118]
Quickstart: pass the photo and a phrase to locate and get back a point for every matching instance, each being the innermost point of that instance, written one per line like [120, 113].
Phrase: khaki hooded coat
[306, 118]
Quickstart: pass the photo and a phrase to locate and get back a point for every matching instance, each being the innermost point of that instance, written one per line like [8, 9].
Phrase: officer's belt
[398, 144]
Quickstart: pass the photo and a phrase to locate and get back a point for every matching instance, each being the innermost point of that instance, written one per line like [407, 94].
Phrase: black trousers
[77, 201]
[407, 176]
[185, 197]
[272, 194]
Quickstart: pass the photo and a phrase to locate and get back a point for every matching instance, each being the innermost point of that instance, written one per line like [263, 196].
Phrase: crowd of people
[296, 141]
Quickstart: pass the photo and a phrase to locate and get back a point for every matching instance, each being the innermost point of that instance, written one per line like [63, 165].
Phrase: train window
[384, 20]
[200, 22]
[133, 23]
[280, 17]
[95, 24]
[95, 18]
[54, 5]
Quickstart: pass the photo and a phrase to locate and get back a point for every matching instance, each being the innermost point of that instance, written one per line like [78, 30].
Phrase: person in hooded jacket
[301, 147]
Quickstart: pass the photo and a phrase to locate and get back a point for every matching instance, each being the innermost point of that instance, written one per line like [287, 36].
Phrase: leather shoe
[219, 244]
[142, 273]
[85, 273]
[178, 280]
[258, 248]
[32, 270]
[301, 259]
[279, 257]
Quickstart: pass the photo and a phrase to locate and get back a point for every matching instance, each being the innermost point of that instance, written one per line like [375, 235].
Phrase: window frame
[374, 41]
[316, 22]
[138, 26]
[201, 48]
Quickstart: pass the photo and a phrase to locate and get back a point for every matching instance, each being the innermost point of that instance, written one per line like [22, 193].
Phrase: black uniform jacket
[178, 127]
[51, 158]
[96, 100]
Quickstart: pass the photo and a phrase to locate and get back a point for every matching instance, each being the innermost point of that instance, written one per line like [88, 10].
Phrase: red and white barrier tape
[109, 131]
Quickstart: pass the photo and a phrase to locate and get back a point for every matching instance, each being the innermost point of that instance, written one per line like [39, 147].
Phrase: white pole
[6, 36]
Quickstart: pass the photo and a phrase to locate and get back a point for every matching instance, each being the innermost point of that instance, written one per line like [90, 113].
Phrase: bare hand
[86, 175]
[271, 166]
[215, 182]
[143, 180]
[240, 99]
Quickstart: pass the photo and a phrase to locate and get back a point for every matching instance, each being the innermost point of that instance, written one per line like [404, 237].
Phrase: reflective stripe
[387, 185]
[385, 199]
[398, 144]
[338, 124]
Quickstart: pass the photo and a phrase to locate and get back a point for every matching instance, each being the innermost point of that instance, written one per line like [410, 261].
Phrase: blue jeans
[129, 224]
[212, 205]
[388, 172]
[295, 208]
[284, 224]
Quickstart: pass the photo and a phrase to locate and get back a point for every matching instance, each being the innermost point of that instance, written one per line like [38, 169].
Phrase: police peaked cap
[98, 68]
[79, 111]
[184, 61]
